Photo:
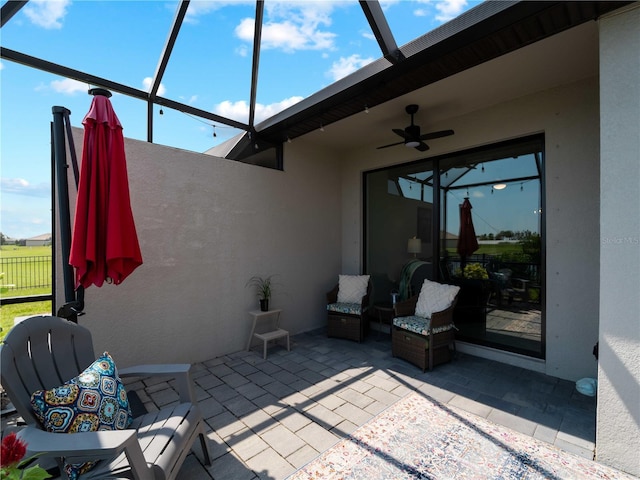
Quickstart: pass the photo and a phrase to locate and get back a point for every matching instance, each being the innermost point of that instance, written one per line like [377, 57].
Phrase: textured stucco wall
[206, 225]
[618, 418]
[568, 116]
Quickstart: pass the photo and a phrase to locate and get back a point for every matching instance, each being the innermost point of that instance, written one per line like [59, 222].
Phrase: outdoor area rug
[419, 438]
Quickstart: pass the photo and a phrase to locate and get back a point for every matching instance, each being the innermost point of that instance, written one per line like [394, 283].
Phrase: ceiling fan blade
[440, 134]
[400, 132]
[390, 145]
[411, 134]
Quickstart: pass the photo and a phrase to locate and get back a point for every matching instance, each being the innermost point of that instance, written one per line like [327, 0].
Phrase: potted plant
[475, 271]
[263, 289]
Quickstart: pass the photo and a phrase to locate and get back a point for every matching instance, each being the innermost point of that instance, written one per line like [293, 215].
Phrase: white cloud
[69, 86]
[240, 110]
[287, 36]
[193, 99]
[292, 26]
[147, 82]
[346, 65]
[47, 13]
[242, 50]
[1, 65]
[449, 9]
[385, 4]
[368, 35]
[20, 186]
[200, 8]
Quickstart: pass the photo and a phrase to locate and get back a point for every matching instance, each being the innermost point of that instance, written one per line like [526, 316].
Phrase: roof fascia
[487, 31]
[344, 88]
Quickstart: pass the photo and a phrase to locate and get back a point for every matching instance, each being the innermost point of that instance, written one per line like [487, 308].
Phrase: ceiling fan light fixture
[411, 136]
[500, 186]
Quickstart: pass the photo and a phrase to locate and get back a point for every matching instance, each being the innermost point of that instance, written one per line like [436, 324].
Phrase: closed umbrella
[467, 241]
[104, 244]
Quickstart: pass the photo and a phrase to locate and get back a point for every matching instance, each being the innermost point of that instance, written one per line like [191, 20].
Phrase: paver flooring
[268, 418]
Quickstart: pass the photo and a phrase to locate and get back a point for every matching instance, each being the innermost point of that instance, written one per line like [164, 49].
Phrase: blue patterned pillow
[94, 400]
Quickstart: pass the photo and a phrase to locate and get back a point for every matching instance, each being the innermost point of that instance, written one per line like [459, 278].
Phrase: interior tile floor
[269, 417]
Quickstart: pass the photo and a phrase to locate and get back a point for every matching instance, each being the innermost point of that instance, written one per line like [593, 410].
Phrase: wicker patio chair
[55, 358]
[347, 319]
[423, 341]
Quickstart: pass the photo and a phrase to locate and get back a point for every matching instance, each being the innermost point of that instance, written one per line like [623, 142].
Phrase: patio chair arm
[181, 372]
[443, 317]
[406, 308]
[332, 296]
[87, 446]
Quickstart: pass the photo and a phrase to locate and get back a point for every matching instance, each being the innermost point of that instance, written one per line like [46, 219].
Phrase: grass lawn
[7, 251]
[9, 312]
[493, 249]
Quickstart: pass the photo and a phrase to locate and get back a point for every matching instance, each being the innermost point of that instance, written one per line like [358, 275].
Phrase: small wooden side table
[268, 328]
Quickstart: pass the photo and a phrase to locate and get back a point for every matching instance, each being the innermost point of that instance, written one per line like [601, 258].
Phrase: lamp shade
[414, 245]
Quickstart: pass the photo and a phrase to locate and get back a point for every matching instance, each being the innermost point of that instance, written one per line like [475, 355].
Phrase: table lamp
[414, 246]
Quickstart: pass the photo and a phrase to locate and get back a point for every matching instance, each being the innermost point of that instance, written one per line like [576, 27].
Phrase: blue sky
[306, 45]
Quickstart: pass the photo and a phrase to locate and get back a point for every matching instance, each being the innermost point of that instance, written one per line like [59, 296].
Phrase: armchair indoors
[76, 409]
[347, 304]
[423, 329]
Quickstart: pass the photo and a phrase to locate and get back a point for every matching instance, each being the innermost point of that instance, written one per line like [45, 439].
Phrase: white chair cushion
[435, 297]
[351, 288]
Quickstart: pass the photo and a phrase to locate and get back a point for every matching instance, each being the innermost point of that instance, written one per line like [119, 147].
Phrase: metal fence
[22, 273]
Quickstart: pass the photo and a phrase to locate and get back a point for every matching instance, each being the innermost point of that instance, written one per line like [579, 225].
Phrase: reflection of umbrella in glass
[104, 241]
[467, 241]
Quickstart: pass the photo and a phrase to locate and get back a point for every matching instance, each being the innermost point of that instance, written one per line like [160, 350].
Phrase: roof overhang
[481, 34]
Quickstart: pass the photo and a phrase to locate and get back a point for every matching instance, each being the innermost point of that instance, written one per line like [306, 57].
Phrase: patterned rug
[418, 438]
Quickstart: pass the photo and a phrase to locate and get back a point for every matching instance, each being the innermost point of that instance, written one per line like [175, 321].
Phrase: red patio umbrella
[467, 241]
[104, 244]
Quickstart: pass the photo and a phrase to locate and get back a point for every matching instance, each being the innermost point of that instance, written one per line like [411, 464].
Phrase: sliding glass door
[412, 228]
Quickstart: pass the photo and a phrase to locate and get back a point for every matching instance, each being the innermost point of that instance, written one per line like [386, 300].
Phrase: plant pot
[264, 304]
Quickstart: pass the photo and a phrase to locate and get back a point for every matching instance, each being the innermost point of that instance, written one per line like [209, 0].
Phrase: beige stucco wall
[568, 116]
[618, 415]
[206, 225]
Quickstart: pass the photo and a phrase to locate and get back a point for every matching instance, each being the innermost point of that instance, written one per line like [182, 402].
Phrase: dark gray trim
[257, 36]
[378, 23]
[87, 78]
[168, 48]
[9, 9]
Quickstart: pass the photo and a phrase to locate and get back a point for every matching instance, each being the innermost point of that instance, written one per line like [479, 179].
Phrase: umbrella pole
[70, 309]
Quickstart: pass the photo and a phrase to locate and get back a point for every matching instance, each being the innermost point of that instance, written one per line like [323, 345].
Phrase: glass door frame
[435, 165]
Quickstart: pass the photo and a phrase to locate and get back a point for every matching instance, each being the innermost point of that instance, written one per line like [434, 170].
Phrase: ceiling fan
[411, 134]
